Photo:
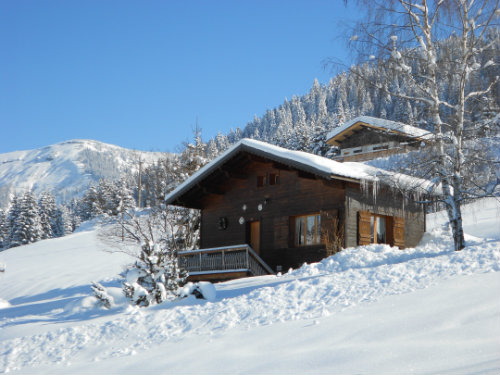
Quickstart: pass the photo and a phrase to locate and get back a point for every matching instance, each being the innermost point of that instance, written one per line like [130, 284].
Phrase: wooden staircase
[223, 263]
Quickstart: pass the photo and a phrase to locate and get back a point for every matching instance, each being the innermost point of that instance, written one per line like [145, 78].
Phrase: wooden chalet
[365, 138]
[265, 209]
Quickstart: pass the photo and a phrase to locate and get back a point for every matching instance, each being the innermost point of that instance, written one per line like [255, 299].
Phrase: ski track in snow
[337, 283]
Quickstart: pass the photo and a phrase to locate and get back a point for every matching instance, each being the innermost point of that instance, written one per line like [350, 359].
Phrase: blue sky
[139, 73]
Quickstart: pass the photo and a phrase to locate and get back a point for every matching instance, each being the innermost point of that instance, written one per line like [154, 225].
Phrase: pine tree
[63, 222]
[3, 229]
[14, 210]
[26, 227]
[155, 276]
[48, 214]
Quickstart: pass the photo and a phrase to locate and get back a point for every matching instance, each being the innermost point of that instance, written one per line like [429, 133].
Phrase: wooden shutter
[364, 228]
[398, 231]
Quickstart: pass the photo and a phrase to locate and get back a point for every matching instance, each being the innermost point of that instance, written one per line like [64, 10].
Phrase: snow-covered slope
[372, 309]
[67, 168]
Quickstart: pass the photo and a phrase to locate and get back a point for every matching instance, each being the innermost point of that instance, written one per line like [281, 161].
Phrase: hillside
[371, 309]
[66, 169]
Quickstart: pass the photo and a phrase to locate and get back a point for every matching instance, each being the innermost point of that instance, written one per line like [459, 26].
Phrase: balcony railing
[238, 258]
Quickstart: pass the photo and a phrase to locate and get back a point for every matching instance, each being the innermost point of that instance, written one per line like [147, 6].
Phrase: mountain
[66, 169]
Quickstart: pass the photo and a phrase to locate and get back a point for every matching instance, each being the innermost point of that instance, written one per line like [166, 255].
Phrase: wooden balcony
[223, 263]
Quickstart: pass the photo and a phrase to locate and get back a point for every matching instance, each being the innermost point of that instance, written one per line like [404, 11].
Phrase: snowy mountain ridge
[67, 168]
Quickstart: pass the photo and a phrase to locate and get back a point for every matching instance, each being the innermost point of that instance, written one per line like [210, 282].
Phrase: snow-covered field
[366, 310]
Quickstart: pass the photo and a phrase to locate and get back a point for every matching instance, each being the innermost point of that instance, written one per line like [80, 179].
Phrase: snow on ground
[373, 309]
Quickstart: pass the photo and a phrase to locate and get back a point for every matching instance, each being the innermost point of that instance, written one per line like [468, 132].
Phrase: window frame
[317, 230]
[374, 218]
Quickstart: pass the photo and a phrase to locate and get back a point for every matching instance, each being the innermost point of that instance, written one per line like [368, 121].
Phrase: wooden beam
[281, 166]
[228, 173]
[211, 189]
[307, 175]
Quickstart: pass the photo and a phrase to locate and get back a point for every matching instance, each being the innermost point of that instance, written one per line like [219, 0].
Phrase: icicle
[375, 187]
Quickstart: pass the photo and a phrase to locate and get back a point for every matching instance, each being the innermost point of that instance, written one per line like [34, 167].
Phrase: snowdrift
[367, 309]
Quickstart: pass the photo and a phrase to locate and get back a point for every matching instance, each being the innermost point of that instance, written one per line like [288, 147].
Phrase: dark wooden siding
[388, 203]
[296, 194]
[368, 136]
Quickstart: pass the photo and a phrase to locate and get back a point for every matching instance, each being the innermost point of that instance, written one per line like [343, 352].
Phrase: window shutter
[399, 232]
[364, 228]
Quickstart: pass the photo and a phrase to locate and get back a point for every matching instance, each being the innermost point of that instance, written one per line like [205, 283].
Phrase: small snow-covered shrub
[155, 276]
[103, 298]
[201, 290]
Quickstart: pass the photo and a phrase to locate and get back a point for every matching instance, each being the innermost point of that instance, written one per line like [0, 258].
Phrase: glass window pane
[310, 230]
[299, 231]
[381, 230]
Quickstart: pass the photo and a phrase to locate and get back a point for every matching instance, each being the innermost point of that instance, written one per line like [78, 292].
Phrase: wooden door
[254, 228]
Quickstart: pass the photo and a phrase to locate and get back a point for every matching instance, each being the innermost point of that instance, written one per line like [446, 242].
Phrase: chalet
[365, 138]
[265, 209]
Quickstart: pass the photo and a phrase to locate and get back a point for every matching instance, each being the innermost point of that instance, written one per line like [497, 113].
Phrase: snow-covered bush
[155, 276]
[103, 298]
[201, 290]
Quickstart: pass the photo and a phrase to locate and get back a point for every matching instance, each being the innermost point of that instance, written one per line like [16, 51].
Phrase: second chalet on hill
[365, 138]
[265, 209]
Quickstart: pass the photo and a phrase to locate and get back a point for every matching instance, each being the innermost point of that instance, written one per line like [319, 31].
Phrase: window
[378, 229]
[383, 147]
[261, 181]
[308, 230]
[274, 179]
[270, 179]
[373, 228]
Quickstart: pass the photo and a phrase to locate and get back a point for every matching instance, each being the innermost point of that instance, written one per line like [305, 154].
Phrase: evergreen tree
[48, 214]
[155, 277]
[63, 222]
[26, 227]
[3, 229]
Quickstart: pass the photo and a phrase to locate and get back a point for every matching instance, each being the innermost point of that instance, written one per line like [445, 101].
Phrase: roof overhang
[250, 147]
[208, 179]
[337, 136]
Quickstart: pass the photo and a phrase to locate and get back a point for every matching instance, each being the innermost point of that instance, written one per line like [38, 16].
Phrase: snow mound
[435, 244]
[202, 289]
[371, 309]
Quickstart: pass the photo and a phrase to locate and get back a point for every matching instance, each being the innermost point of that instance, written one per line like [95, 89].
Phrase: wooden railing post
[200, 262]
[248, 258]
[223, 260]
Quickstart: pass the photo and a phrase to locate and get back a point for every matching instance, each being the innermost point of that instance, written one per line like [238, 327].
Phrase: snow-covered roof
[338, 134]
[303, 161]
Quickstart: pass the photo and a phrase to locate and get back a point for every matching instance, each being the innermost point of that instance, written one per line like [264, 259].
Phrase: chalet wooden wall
[368, 136]
[375, 154]
[296, 194]
[388, 203]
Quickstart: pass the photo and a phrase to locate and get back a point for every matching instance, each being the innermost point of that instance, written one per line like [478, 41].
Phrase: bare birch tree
[399, 32]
